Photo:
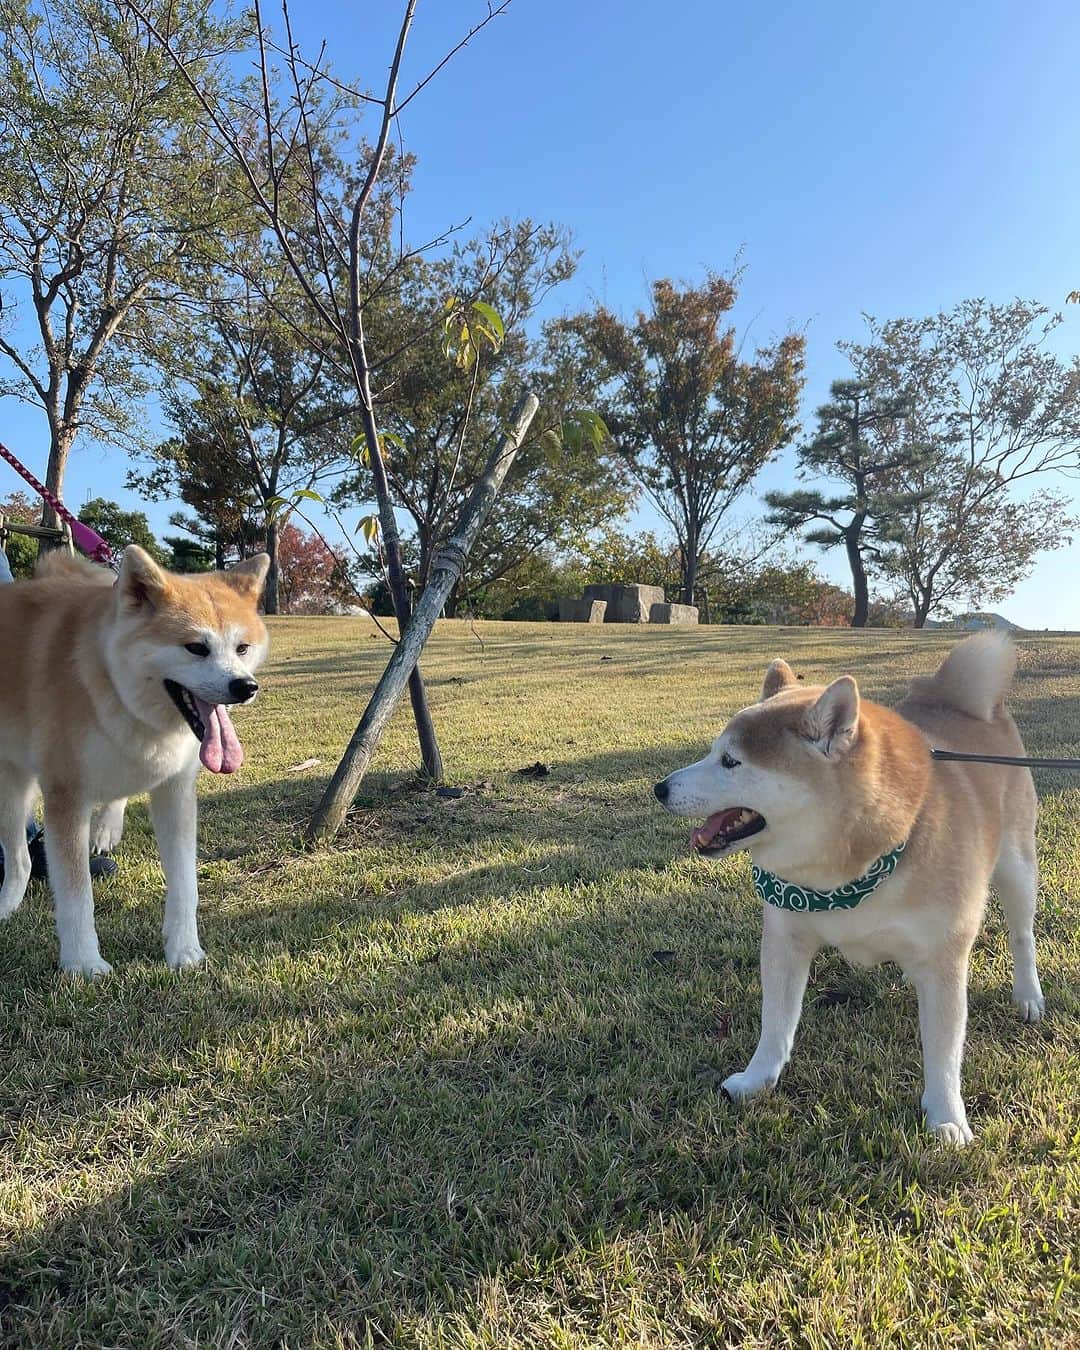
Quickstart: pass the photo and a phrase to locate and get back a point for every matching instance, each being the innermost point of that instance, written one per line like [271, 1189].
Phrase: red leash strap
[87, 540]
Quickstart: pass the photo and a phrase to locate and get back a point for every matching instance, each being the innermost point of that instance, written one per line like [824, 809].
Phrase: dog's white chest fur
[141, 765]
[866, 936]
[881, 928]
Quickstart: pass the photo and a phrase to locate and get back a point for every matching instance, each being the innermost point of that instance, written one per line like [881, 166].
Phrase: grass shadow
[451, 1082]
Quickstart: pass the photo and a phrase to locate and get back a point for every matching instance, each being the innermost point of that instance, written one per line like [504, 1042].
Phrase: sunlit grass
[451, 1082]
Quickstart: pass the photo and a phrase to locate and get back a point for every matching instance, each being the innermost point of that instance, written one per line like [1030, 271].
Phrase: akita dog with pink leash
[110, 686]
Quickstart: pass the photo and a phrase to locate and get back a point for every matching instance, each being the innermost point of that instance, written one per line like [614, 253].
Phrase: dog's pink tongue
[703, 836]
[221, 749]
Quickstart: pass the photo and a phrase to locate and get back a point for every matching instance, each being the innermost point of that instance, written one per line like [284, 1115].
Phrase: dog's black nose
[661, 790]
[244, 689]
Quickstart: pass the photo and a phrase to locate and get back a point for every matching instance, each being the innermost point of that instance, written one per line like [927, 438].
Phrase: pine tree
[862, 442]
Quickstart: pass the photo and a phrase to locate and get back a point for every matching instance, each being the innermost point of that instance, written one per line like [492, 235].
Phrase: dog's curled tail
[58, 565]
[974, 678]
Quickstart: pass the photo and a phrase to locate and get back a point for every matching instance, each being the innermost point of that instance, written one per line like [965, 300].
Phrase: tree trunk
[342, 789]
[858, 580]
[270, 594]
[922, 611]
[425, 728]
[690, 571]
[60, 443]
[430, 754]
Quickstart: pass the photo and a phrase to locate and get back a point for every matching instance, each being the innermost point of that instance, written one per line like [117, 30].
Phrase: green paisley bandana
[801, 899]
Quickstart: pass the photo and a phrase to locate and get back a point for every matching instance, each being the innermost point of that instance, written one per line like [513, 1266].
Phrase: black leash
[1023, 762]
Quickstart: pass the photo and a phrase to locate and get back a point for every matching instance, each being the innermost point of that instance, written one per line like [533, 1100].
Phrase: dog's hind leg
[16, 800]
[107, 827]
[1016, 880]
[67, 852]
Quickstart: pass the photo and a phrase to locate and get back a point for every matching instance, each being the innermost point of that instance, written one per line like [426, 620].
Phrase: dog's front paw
[740, 1087]
[1030, 1006]
[184, 954]
[13, 889]
[91, 966]
[957, 1134]
[9, 905]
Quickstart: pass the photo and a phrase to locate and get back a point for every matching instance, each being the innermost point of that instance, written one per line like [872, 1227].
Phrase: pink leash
[86, 540]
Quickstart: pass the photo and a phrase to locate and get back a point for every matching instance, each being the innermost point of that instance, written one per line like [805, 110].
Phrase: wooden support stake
[445, 571]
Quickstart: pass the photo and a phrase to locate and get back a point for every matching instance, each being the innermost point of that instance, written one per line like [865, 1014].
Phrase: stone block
[572, 610]
[632, 604]
[674, 614]
[626, 604]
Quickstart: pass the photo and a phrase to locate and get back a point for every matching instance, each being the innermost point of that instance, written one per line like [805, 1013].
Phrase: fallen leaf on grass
[304, 764]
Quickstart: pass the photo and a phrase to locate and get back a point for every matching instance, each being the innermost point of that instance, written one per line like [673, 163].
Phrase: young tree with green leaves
[440, 416]
[110, 199]
[318, 215]
[691, 421]
[861, 443]
[1000, 414]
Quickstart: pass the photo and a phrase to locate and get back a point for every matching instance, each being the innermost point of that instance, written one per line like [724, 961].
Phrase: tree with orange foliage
[692, 422]
[312, 578]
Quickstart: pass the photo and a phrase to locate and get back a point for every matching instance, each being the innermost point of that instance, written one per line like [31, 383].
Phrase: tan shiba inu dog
[107, 690]
[860, 841]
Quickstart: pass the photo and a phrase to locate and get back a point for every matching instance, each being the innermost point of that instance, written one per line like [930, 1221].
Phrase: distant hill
[976, 622]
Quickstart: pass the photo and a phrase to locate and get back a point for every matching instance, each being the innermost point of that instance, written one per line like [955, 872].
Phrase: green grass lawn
[452, 1083]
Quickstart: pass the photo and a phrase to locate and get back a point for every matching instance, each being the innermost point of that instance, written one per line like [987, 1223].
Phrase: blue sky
[862, 157]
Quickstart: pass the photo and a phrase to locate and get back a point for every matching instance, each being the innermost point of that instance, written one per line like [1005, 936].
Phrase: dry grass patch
[448, 1084]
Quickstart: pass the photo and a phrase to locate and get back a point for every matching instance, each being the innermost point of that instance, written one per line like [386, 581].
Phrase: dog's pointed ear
[833, 721]
[248, 576]
[778, 676]
[141, 582]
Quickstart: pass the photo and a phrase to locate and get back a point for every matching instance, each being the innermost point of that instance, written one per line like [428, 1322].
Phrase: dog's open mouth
[726, 828]
[220, 748]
